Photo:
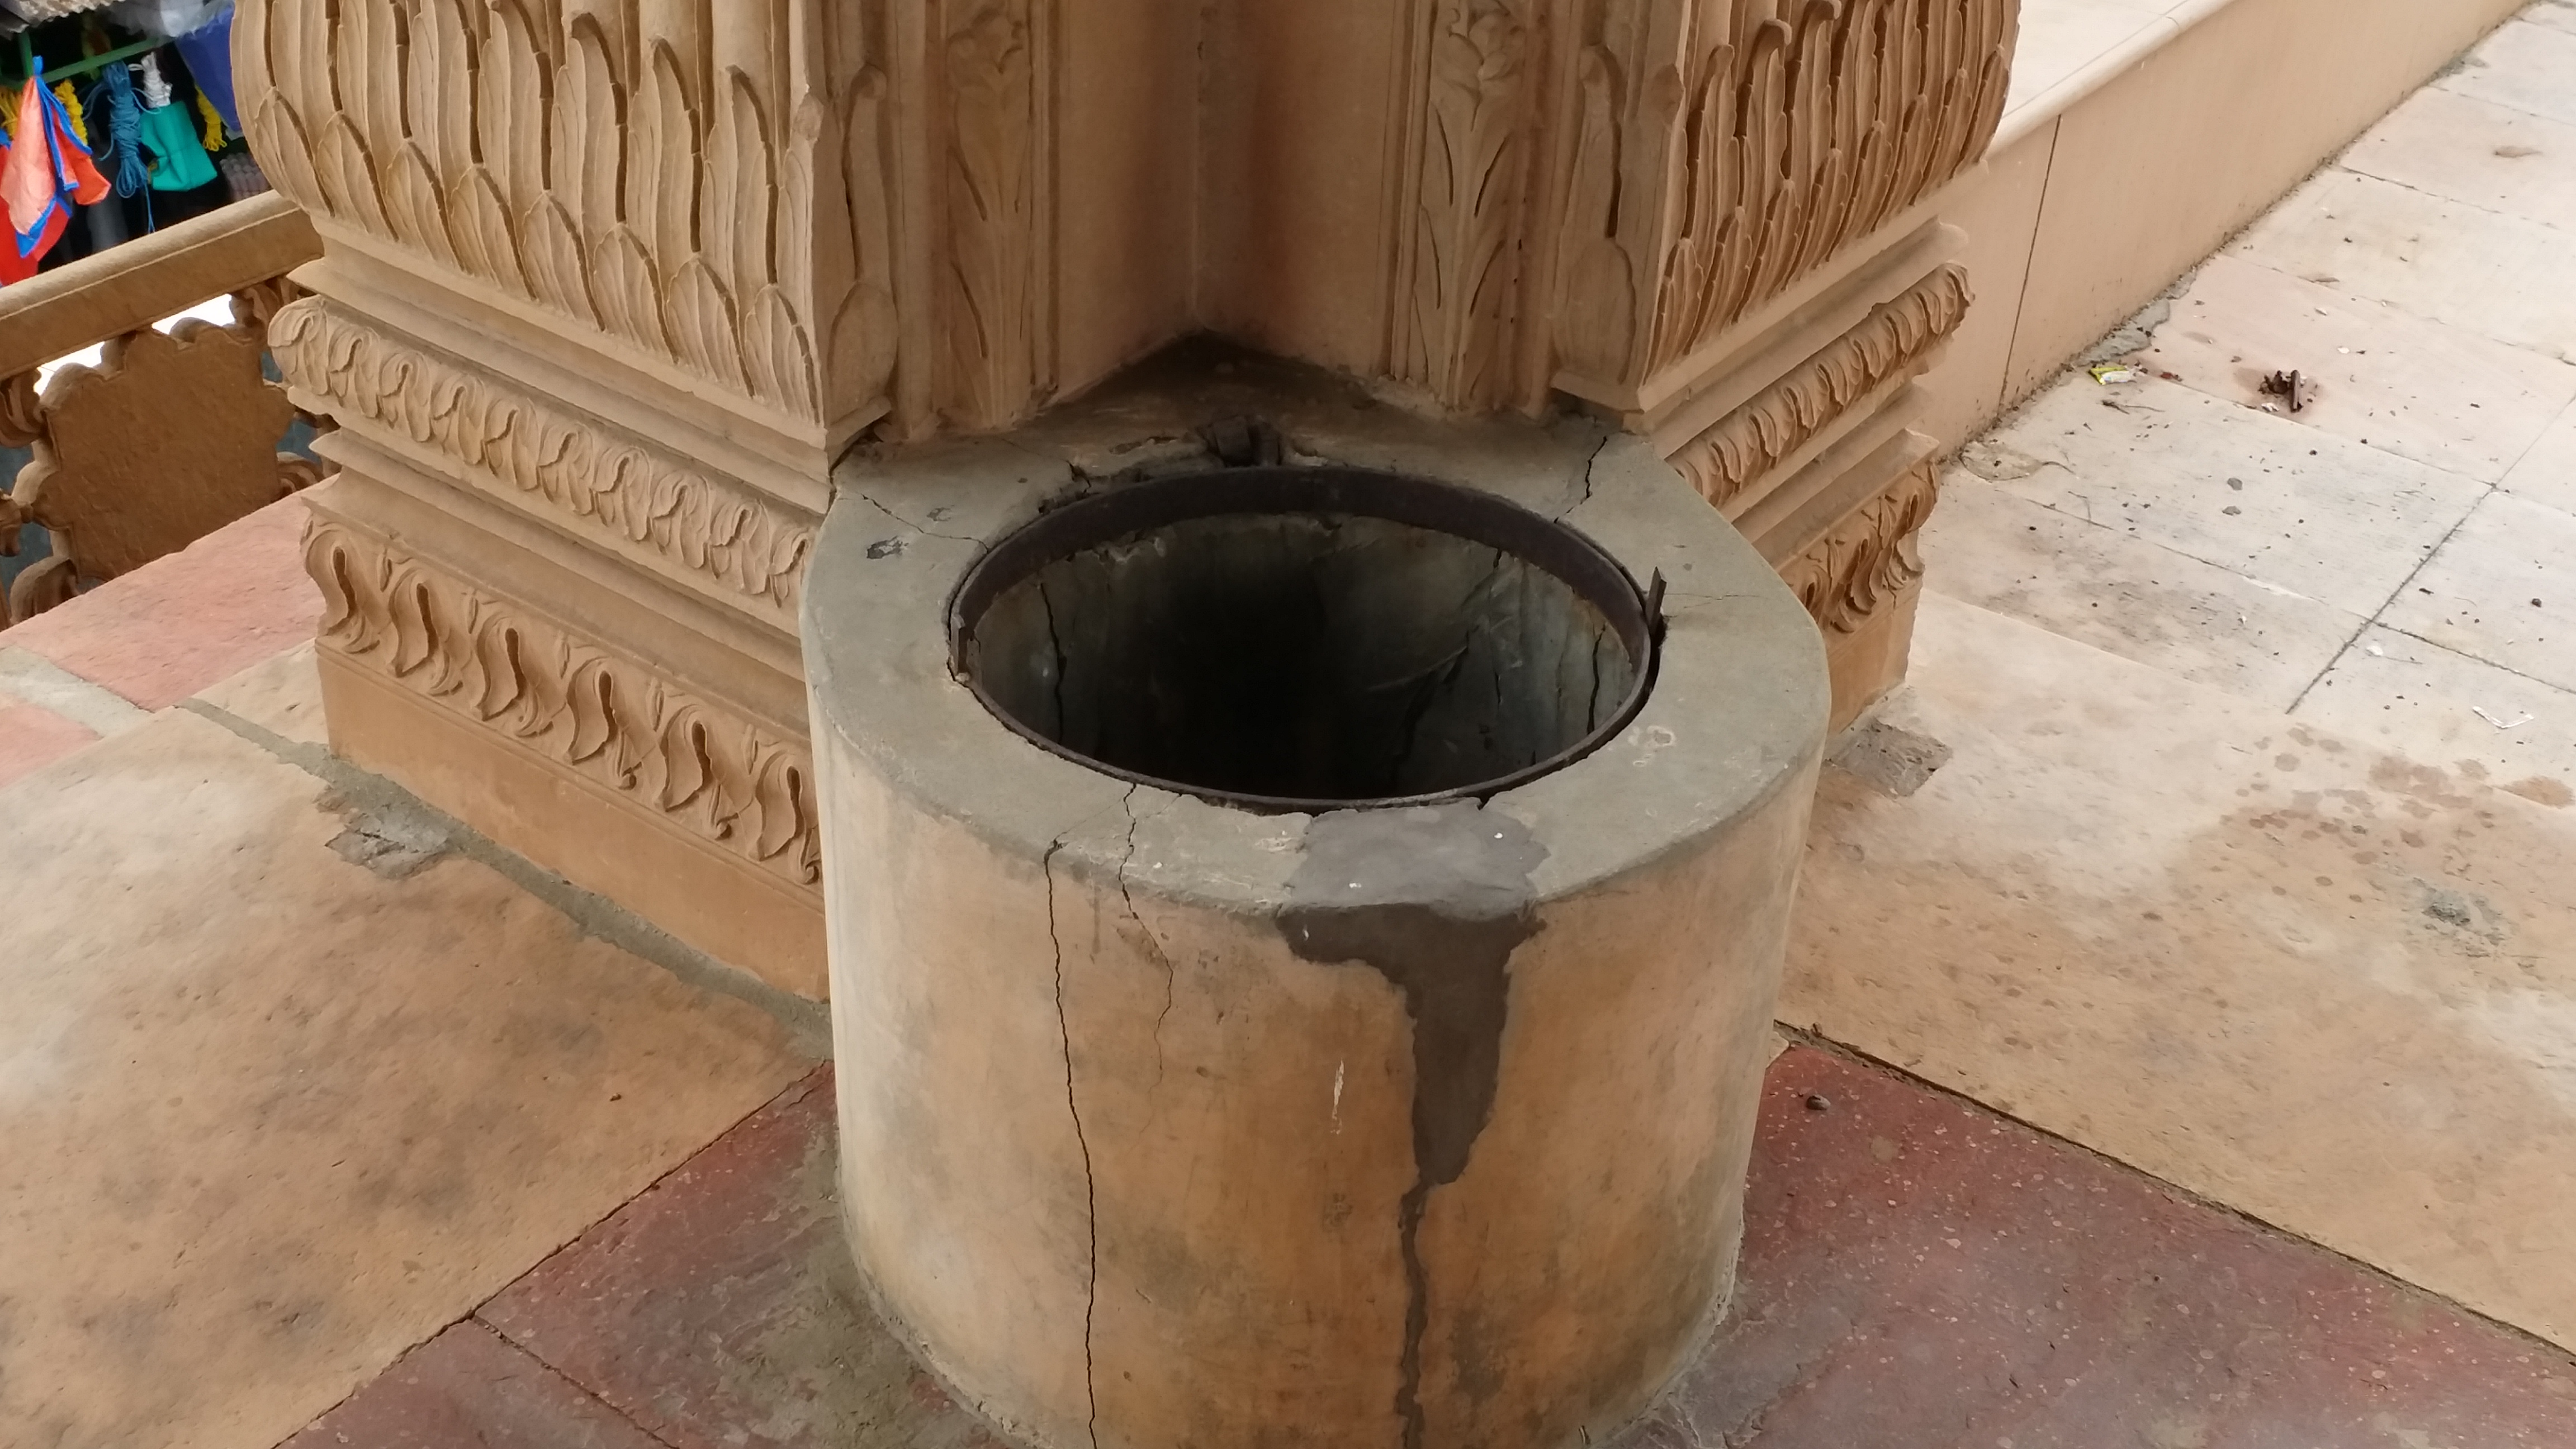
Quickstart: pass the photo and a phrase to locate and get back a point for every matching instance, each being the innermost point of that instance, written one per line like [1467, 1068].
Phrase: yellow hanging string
[72, 110]
[214, 122]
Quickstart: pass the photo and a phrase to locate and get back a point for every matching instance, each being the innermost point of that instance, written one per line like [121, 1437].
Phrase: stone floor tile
[2466, 149]
[466, 1389]
[2526, 66]
[721, 1310]
[2444, 261]
[268, 1119]
[2136, 599]
[2547, 474]
[282, 696]
[2319, 516]
[2560, 14]
[2502, 589]
[195, 618]
[32, 737]
[1919, 1273]
[2332, 988]
[2397, 693]
[2422, 390]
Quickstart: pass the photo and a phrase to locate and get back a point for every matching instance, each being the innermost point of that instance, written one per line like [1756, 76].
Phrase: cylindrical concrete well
[1304, 939]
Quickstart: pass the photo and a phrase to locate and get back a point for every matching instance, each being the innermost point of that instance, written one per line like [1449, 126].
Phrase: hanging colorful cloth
[179, 163]
[48, 169]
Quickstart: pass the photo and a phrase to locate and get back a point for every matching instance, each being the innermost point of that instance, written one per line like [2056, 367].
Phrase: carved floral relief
[622, 725]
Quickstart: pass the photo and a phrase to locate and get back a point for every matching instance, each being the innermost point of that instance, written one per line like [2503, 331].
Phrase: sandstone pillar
[609, 286]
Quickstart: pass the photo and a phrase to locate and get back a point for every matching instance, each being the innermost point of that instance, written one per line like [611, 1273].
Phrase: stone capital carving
[1860, 568]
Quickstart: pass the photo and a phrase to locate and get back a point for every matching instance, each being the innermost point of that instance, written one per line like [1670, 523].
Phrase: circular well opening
[1305, 638]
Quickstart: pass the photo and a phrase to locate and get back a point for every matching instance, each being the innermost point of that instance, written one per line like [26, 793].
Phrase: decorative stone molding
[581, 473]
[1718, 158]
[1871, 558]
[993, 347]
[668, 175]
[618, 722]
[1458, 231]
[1895, 340]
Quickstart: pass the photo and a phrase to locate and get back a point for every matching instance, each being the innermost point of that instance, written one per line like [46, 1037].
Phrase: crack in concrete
[903, 522]
[1153, 943]
[1090, 1179]
[1591, 466]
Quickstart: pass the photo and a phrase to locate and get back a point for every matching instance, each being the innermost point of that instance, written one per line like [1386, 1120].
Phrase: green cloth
[179, 160]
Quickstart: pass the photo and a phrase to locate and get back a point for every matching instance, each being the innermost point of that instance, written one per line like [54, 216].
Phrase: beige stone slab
[268, 1119]
[2062, 40]
[1998, 208]
[2466, 149]
[2397, 693]
[2529, 67]
[2321, 517]
[2331, 988]
[2547, 474]
[2171, 156]
[2422, 390]
[2120, 593]
[282, 696]
[2503, 589]
[2441, 260]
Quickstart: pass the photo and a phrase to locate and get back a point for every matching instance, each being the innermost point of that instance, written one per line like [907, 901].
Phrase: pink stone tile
[466, 1389]
[2466, 149]
[1919, 1271]
[32, 737]
[200, 616]
[2423, 390]
[721, 1309]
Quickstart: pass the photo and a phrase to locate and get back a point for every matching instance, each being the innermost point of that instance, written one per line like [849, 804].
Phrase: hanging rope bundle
[113, 97]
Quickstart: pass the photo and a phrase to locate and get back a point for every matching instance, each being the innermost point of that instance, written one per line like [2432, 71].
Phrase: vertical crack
[1153, 943]
[1090, 1182]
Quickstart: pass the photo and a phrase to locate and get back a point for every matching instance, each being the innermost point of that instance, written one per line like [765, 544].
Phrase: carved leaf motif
[740, 189]
[702, 324]
[662, 165]
[863, 334]
[439, 100]
[779, 355]
[415, 208]
[991, 338]
[1803, 134]
[1468, 206]
[557, 462]
[510, 109]
[479, 222]
[556, 271]
[627, 292]
[348, 178]
[588, 148]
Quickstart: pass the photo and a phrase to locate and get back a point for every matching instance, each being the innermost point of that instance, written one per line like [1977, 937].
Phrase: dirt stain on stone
[1436, 899]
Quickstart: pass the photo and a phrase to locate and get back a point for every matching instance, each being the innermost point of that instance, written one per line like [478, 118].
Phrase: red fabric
[45, 168]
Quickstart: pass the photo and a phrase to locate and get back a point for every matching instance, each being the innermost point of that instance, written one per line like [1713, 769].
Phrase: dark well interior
[1290, 636]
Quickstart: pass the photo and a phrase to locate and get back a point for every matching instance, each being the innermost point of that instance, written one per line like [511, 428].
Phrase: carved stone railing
[171, 435]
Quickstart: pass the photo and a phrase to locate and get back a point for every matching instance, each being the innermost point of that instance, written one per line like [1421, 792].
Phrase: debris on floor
[2291, 386]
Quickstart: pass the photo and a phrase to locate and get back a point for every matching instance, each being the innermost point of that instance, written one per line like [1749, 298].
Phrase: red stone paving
[720, 1309]
[1918, 1274]
[191, 619]
[468, 1388]
[1918, 1271]
[32, 737]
